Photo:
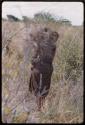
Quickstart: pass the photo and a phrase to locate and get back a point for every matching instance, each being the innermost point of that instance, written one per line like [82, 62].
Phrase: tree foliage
[45, 16]
[13, 18]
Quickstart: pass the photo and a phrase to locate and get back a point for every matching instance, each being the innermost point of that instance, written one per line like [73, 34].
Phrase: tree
[12, 18]
[25, 18]
[44, 16]
[65, 21]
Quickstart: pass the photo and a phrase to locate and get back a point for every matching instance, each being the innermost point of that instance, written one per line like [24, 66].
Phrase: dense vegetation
[64, 103]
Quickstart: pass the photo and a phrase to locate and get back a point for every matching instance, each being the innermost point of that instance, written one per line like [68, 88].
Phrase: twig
[6, 42]
[73, 119]
[19, 103]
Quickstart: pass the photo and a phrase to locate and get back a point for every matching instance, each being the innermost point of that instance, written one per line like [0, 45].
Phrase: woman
[42, 68]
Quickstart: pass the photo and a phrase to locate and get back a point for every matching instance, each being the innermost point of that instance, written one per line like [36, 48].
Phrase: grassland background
[64, 104]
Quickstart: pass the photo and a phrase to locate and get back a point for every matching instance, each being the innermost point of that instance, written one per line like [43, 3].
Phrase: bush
[70, 56]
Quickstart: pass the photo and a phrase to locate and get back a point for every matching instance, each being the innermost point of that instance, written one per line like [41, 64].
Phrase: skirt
[40, 80]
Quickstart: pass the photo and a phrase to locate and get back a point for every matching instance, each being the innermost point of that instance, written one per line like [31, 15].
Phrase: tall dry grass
[64, 103]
